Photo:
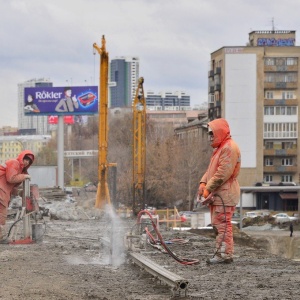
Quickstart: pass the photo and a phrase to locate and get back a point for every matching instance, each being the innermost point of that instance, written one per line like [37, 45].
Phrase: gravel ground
[73, 261]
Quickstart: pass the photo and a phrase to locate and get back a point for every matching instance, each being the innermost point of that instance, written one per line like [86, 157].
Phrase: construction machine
[102, 196]
[139, 148]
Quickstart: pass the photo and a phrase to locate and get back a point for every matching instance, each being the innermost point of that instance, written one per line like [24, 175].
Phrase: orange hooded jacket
[12, 173]
[221, 174]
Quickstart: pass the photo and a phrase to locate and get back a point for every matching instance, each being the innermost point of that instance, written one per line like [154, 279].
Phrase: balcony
[280, 85]
[211, 98]
[210, 73]
[280, 135]
[292, 68]
[211, 89]
[287, 102]
[280, 169]
[218, 71]
[217, 87]
[280, 152]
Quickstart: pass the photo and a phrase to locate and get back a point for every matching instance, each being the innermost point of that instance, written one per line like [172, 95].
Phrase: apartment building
[12, 145]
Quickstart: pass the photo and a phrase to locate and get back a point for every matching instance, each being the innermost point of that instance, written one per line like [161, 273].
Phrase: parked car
[236, 216]
[251, 214]
[283, 217]
[90, 187]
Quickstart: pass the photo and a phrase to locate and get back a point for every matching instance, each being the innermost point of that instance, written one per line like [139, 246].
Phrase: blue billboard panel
[75, 100]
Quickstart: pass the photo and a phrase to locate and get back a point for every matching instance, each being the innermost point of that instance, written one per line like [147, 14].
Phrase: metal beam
[177, 283]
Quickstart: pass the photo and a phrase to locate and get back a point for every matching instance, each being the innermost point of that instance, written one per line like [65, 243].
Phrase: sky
[172, 38]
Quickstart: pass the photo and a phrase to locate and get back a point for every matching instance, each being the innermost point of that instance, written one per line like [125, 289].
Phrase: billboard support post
[60, 151]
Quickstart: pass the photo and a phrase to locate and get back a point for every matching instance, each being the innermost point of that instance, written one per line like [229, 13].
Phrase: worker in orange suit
[12, 173]
[220, 188]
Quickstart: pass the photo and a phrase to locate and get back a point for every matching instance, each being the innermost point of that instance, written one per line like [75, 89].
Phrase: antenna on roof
[273, 25]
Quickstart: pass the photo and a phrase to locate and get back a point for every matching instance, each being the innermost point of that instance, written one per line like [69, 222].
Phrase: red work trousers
[221, 221]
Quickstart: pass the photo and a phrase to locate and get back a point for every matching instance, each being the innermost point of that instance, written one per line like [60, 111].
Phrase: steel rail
[177, 283]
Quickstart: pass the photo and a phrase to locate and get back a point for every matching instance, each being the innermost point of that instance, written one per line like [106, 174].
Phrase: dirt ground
[73, 260]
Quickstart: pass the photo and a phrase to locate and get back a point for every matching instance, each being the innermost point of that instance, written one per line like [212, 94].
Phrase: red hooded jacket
[224, 167]
[12, 173]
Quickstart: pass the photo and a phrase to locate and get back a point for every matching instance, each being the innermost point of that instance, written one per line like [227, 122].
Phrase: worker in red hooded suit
[12, 173]
[220, 188]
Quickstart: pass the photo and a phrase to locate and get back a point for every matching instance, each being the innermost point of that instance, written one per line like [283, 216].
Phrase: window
[269, 145]
[291, 61]
[291, 110]
[268, 178]
[269, 77]
[269, 162]
[287, 162]
[269, 61]
[287, 145]
[285, 110]
[269, 95]
[280, 77]
[287, 95]
[269, 110]
[286, 178]
[280, 130]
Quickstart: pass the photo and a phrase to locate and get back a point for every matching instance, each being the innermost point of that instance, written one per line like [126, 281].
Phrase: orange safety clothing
[201, 188]
[12, 173]
[221, 180]
[224, 166]
[206, 193]
[221, 221]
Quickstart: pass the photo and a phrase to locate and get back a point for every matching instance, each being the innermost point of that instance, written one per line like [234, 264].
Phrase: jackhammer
[30, 209]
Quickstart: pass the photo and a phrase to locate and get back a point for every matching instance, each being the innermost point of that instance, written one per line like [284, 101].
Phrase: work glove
[209, 198]
[201, 188]
[206, 193]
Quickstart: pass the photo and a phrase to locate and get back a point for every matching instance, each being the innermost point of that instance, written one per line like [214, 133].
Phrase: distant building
[39, 123]
[175, 118]
[124, 75]
[168, 100]
[11, 146]
[8, 130]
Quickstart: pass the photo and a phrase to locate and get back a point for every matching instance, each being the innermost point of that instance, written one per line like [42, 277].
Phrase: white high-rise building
[34, 124]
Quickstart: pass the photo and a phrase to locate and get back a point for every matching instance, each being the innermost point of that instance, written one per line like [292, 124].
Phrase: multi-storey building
[256, 89]
[174, 118]
[168, 100]
[12, 145]
[38, 123]
[124, 75]
[8, 130]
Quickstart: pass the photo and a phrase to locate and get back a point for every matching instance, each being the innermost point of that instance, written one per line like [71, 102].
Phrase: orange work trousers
[221, 221]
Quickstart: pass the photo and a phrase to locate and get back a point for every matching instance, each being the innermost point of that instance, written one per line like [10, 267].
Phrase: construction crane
[139, 148]
[102, 196]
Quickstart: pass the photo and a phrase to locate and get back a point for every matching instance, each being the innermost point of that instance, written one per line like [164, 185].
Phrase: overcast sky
[173, 39]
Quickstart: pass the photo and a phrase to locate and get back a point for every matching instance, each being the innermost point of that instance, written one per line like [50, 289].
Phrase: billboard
[67, 120]
[75, 100]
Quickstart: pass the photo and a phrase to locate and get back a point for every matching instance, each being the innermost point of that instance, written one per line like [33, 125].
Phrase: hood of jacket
[221, 131]
[21, 157]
